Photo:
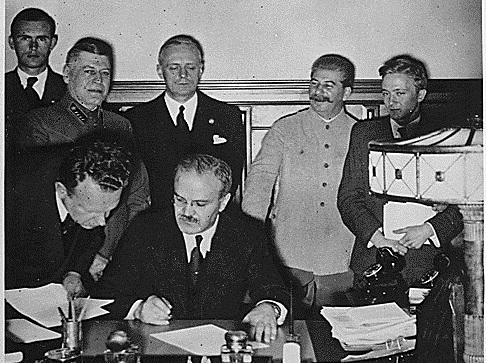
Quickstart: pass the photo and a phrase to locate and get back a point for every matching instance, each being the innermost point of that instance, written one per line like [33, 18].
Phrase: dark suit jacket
[362, 212]
[15, 100]
[160, 147]
[17, 104]
[151, 259]
[34, 250]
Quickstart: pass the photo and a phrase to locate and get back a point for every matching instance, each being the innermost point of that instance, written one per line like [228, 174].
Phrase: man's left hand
[415, 236]
[263, 322]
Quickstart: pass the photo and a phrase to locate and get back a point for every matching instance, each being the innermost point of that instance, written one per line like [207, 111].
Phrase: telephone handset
[419, 290]
[428, 279]
[384, 282]
[387, 263]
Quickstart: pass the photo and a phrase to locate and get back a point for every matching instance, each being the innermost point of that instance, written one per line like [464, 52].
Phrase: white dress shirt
[189, 109]
[38, 86]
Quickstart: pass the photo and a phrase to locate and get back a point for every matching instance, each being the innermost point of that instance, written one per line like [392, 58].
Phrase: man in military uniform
[88, 74]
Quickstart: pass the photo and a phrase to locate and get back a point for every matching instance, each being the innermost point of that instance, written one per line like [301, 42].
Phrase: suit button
[326, 146]
[326, 165]
[324, 184]
[322, 204]
[327, 127]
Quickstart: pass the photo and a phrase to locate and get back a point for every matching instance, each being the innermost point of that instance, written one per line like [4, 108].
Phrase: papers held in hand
[372, 327]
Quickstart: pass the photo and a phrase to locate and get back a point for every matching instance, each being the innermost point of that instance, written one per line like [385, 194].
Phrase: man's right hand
[379, 241]
[154, 310]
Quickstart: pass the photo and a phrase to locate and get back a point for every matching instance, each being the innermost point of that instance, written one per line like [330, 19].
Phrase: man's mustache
[190, 219]
[320, 98]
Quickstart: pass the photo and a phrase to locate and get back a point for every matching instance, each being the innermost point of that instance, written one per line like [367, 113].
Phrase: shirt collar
[63, 212]
[39, 86]
[332, 118]
[190, 240]
[189, 109]
[395, 126]
[97, 113]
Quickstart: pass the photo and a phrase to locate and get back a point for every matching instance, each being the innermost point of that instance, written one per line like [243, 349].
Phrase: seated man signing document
[196, 260]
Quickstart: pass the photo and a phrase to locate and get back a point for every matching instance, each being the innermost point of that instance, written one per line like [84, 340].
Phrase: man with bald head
[184, 120]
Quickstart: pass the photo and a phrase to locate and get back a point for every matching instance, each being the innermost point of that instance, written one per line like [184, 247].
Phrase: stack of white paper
[41, 304]
[362, 327]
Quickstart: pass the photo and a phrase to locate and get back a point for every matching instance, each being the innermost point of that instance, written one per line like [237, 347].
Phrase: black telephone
[384, 282]
[428, 279]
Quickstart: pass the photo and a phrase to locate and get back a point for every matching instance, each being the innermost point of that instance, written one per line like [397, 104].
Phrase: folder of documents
[369, 327]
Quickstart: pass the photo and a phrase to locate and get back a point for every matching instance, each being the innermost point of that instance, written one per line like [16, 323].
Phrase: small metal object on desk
[61, 355]
[120, 350]
[236, 349]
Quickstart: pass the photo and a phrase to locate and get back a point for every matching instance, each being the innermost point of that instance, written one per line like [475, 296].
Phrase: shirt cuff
[370, 244]
[434, 239]
[283, 310]
[131, 313]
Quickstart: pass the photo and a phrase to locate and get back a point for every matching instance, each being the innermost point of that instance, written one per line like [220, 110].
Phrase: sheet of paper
[204, 340]
[14, 357]
[399, 215]
[377, 314]
[24, 331]
[41, 303]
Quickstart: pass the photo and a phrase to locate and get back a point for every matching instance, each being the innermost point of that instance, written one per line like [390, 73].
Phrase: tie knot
[199, 239]
[31, 81]
[181, 109]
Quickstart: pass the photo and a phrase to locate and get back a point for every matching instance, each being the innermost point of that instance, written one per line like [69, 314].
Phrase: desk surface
[317, 345]
[96, 332]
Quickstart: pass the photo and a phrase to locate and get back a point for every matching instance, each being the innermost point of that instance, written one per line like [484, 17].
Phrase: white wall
[271, 39]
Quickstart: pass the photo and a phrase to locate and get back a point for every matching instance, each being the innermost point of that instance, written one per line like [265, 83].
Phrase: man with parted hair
[404, 87]
[88, 73]
[54, 228]
[293, 182]
[196, 260]
[32, 83]
[184, 120]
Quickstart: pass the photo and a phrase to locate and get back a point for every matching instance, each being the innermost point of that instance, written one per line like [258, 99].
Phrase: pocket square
[218, 140]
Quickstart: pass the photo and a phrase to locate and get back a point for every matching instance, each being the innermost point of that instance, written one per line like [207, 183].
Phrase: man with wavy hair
[54, 228]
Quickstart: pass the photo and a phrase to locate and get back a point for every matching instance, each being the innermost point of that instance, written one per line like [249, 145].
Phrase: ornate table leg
[474, 284]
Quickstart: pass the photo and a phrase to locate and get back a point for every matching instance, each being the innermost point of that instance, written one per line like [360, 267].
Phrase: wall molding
[255, 92]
